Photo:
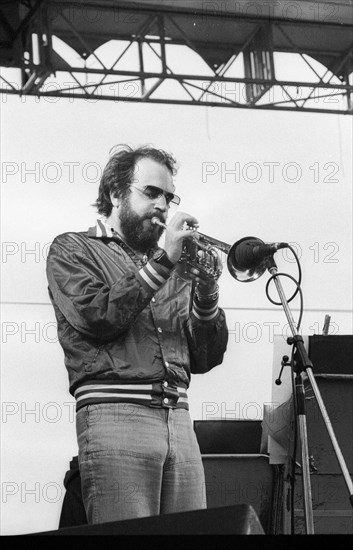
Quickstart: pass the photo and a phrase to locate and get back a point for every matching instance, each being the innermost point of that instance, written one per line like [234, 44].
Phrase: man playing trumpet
[133, 329]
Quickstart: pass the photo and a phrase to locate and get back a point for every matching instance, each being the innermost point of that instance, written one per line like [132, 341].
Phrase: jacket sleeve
[94, 306]
[207, 341]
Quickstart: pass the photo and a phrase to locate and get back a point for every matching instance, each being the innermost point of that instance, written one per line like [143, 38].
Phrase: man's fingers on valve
[201, 277]
[182, 220]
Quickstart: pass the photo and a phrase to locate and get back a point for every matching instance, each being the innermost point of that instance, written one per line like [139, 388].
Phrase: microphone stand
[302, 364]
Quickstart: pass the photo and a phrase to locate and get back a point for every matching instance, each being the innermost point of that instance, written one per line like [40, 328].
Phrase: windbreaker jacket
[124, 320]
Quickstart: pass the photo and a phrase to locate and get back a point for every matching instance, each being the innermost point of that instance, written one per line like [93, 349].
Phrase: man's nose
[161, 203]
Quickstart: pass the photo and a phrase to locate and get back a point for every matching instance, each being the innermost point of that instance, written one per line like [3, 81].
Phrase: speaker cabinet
[235, 471]
[332, 511]
[333, 372]
[236, 479]
[230, 520]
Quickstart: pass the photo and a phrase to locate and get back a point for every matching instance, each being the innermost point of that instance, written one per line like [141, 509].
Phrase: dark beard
[137, 236]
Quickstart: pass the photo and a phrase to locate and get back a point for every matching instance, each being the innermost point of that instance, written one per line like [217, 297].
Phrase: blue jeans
[137, 461]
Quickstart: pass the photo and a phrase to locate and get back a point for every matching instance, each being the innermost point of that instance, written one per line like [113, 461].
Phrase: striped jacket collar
[101, 229]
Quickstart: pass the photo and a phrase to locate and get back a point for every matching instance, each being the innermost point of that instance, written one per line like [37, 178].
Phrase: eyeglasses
[154, 193]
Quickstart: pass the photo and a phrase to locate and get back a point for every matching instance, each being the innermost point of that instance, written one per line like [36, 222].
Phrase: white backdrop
[276, 176]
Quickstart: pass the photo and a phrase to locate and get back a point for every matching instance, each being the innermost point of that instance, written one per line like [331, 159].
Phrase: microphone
[250, 253]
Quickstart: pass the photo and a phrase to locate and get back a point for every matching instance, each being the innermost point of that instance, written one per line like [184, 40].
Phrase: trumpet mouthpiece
[156, 221]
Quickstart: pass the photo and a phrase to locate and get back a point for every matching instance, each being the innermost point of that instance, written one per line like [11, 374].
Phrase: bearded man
[133, 328]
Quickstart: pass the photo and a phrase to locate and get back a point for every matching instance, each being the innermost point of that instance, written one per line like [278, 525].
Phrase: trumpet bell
[201, 253]
[252, 270]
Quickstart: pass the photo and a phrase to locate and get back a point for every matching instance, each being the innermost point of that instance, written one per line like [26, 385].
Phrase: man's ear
[115, 200]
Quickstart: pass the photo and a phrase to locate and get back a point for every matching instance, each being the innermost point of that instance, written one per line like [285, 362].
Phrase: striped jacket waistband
[156, 394]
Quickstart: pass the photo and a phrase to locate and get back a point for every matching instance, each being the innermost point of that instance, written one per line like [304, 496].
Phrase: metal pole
[300, 400]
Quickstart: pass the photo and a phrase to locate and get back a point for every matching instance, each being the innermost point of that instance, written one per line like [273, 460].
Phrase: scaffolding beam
[239, 56]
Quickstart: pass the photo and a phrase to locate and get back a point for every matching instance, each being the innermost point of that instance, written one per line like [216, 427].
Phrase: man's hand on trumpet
[181, 226]
[184, 226]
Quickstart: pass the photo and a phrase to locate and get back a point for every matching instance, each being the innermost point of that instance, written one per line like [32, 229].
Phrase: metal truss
[137, 66]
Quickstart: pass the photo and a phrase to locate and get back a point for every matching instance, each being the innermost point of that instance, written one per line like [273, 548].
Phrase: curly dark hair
[119, 171]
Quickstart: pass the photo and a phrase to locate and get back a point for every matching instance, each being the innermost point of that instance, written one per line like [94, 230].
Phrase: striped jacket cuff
[204, 311]
[153, 275]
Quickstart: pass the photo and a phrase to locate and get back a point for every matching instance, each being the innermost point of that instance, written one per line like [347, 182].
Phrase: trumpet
[202, 252]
